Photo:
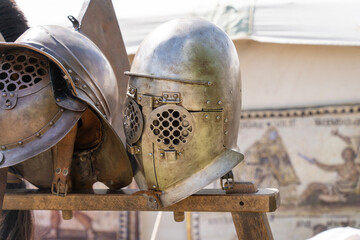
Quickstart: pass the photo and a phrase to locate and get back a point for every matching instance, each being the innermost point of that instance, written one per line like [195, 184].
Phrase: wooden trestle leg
[249, 225]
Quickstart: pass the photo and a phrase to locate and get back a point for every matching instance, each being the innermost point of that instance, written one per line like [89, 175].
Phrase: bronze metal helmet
[183, 108]
[52, 78]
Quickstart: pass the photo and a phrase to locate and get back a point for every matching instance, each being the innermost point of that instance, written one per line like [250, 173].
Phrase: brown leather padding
[62, 154]
[89, 132]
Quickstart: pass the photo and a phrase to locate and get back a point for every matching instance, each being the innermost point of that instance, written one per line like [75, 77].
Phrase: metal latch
[227, 181]
[170, 155]
[133, 149]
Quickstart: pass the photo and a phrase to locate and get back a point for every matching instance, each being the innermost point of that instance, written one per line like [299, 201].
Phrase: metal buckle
[58, 193]
[225, 182]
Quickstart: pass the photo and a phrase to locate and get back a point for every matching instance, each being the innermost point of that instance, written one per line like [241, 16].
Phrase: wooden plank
[207, 200]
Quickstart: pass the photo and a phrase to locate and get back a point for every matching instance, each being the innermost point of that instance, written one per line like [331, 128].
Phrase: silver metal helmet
[183, 108]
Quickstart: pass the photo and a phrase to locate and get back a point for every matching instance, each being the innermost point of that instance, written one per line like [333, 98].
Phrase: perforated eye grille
[21, 69]
[172, 126]
[133, 121]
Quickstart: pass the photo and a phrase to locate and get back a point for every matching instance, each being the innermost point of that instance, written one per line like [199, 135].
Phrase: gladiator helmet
[183, 108]
[52, 79]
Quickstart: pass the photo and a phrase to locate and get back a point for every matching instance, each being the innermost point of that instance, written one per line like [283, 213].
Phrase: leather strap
[62, 154]
[3, 178]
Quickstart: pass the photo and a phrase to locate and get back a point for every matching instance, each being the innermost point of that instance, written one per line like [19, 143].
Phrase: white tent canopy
[325, 22]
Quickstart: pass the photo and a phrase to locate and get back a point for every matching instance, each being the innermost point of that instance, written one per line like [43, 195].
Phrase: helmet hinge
[171, 97]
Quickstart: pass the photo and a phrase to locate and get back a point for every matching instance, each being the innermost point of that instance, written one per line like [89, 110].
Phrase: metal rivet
[139, 99]
[154, 186]
[208, 102]
[156, 102]
[3, 54]
[217, 117]
[84, 86]
[132, 90]
[7, 104]
[51, 123]
[58, 170]
[180, 153]
[206, 116]
[58, 100]
[42, 49]
[166, 96]
[11, 94]
[77, 80]
[226, 120]
[3, 147]
[209, 83]
[138, 150]
[175, 96]
[37, 134]
[226, 132]
[97, 103]
[231, 91]
[4, 95]
[20, 143]
[65, 172]
[185, 123]
[219, 102]
[61, 110]
[69, 71]
[150, 154]
[161, 154]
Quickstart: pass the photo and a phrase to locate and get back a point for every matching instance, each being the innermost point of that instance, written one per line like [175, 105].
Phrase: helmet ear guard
[188, 99]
